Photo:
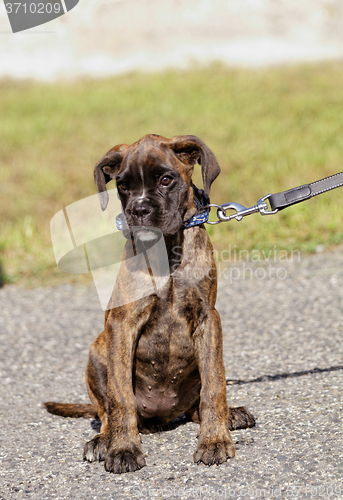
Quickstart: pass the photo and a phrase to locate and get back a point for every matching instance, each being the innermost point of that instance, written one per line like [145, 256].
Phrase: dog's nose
[141, 210]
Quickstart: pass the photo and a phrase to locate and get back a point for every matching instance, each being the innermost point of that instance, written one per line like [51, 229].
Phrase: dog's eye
[122, 187]
[166, 180]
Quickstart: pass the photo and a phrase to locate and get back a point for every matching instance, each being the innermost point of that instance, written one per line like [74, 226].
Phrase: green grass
[270, 130]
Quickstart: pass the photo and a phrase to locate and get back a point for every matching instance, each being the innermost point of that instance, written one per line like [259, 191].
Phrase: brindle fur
[162, 355]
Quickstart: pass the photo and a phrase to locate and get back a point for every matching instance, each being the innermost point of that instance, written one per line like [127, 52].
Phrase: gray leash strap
[285, 199]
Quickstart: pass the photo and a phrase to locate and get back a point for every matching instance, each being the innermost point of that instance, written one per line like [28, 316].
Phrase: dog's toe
[95, 449]
[124, 461]
[240, 418]
[214, 453]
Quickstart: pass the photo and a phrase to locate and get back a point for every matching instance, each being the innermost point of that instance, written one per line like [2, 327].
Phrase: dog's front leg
[119, 443]
[215, 445]
[124, 452]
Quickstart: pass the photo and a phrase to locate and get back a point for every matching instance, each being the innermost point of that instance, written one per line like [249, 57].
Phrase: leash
[278, 201]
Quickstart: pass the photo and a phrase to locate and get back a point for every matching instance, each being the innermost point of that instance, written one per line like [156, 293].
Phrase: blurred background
[104, 37]
[259, 81]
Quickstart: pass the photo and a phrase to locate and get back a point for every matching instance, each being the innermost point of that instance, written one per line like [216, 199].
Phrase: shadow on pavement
[279, 376]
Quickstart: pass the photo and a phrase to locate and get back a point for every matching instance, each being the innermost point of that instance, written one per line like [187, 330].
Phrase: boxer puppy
[159, 356]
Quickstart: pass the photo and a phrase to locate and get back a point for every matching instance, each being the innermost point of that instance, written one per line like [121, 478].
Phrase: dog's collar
[200, 200]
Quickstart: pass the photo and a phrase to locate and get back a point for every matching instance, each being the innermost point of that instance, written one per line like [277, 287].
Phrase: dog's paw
[95, 449]
[240, 418]
[124, 460]
[213, 452]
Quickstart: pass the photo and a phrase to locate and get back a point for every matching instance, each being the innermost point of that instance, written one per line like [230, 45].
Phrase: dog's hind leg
[82, 410]
[240, 418]
[96, 381]
[193, 414]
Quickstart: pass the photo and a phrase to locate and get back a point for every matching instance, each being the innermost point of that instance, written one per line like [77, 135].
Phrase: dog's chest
[165, 345]
[165, 366]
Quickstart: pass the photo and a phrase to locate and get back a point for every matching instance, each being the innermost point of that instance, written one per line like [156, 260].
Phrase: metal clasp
[241, 211]
[263, 207]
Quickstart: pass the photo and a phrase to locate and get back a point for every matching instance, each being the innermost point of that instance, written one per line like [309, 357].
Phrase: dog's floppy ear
[107, 169]
[190, 149]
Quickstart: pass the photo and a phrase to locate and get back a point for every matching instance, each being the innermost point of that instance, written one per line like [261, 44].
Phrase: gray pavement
[283, 345]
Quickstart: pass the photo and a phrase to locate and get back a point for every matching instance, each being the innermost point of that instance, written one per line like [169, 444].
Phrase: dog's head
[153, 178]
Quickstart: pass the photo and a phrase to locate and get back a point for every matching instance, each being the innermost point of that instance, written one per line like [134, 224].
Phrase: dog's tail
[71, 410]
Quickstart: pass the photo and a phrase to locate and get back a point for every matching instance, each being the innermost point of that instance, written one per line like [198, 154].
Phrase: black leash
[279, 201]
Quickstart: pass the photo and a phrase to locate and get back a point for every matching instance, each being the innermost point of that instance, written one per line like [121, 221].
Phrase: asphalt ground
[283, 348]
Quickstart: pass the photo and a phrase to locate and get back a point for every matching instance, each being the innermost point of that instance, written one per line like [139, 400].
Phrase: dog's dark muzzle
[140, 214]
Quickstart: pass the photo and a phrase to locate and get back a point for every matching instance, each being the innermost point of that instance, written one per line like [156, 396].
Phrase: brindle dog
[162, 355]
